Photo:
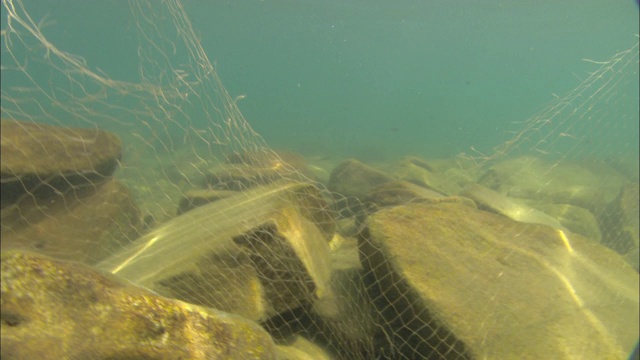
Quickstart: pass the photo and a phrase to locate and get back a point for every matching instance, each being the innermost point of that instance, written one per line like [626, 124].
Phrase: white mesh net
[527, 252]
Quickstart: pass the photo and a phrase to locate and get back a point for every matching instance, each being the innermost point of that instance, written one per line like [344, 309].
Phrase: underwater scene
[277, 179]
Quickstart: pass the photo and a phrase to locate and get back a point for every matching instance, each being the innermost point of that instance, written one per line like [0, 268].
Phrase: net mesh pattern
[273, 246]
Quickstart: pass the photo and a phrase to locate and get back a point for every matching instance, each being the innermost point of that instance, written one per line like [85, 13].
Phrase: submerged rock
[355, 179]
[401, 192]
[445, 177]
[455, 282]
[574, 218]
[347, 320]
[256, 253]
[35, 154]
[351, 181]
[509, 207]
[61, 310]
[565, 182]
[86, 224]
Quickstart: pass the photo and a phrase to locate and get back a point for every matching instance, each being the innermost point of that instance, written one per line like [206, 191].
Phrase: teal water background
[375, 79]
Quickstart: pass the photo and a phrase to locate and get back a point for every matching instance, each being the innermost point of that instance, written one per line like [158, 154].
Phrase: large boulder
[35, 154]
[54, 309]
[452, 281]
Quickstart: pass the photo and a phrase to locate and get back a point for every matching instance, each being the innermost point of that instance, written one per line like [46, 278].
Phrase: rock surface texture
[456, 282]
[60, 310]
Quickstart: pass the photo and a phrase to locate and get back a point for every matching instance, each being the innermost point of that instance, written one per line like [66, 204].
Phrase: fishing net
[158, 179]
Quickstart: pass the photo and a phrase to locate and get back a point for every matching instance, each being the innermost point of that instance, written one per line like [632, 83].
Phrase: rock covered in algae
[456, 282]
[34, 153]
[54, 309]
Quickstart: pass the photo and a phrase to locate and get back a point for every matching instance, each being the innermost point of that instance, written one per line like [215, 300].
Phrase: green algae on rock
[54, 309]
[480, 285]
